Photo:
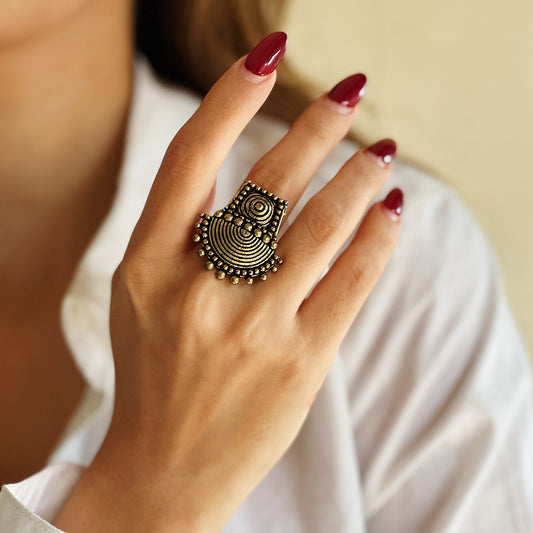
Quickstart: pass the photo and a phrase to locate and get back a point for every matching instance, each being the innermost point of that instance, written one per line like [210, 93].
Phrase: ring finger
[330, 216]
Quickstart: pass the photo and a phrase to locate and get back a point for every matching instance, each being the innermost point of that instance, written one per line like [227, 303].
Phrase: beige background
[452, 82]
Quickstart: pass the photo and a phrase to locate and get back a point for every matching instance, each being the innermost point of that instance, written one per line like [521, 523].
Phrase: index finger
[194, 156]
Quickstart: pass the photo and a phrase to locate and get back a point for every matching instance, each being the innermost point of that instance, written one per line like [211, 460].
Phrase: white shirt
[424, 423]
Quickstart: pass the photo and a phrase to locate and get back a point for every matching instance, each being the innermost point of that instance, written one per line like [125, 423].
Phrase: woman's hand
[213, 381]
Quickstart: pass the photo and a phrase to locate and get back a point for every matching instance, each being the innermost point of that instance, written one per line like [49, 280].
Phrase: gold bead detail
[260, 235]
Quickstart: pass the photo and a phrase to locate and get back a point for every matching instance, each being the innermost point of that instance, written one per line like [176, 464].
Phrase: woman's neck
[64, 100]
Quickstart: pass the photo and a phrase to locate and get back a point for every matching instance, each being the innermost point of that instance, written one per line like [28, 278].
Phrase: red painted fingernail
[266, 55]
[349, 91]
[394, 201]
[384, 149]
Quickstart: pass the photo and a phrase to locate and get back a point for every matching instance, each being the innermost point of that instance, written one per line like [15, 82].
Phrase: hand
[213, 381]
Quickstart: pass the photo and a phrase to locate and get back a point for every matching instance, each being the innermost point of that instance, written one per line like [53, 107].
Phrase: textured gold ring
[240, 241]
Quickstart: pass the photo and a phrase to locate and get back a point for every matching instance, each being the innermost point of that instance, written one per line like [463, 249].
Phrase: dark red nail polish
[394, 201]
[385, 149]
[266, 55]
[349, 91]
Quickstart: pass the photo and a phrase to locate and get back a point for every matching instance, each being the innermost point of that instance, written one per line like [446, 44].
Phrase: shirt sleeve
[32, 505]
[441, 391]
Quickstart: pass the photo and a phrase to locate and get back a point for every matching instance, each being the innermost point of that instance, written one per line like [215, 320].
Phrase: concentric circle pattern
[239, 241]
[258, 208]
[236, 246]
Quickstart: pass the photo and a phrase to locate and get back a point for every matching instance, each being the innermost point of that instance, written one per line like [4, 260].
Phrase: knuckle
[225, 109]
[371, 182]
[361, 274]
[246, 328]
[270, 177]
[322, 219]
[314, 128]
[183, 157]
[136, 275]
[292, 370]
[195, 301]
[131, 278]
[369, 175]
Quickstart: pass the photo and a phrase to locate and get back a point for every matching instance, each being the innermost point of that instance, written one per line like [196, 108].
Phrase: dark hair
[192, 42]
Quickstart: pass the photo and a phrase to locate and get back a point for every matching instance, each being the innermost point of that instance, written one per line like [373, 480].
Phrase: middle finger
[289, 166]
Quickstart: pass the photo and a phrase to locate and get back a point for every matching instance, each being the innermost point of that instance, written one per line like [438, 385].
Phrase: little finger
[340, 294]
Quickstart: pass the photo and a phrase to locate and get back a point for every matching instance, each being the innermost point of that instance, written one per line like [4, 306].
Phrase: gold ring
[240, 241]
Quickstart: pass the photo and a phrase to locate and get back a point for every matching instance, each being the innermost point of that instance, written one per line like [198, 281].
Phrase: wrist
[114, 496]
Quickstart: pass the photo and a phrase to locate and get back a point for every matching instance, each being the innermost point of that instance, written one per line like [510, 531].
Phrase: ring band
[240, 240]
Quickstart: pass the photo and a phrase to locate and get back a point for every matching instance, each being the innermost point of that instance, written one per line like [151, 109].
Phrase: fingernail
[394, 201]
[266, 55]
[384, 151]
[349, 91]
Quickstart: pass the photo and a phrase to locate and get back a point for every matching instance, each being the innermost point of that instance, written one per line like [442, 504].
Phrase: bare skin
[60, 151]
[182, 396]
[214, 381]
